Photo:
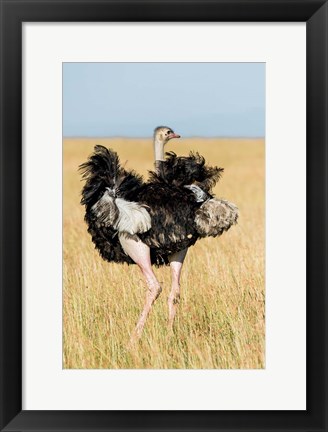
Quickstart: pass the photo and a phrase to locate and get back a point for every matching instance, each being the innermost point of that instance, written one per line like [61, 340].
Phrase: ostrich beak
[174, 135]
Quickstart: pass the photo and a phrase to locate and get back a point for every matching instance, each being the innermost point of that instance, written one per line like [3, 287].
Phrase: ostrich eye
[169, 132]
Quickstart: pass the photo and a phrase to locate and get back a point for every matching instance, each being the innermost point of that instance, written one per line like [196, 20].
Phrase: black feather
[171, 206]
[185, 170]
[103, 170]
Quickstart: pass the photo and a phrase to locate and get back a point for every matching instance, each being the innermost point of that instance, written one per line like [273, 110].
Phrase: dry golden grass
[221, 318]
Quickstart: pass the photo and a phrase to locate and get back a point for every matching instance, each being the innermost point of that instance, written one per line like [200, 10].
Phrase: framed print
[97, 329]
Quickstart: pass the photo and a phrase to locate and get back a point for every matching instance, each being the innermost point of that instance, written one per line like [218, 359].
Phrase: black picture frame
[13, 14]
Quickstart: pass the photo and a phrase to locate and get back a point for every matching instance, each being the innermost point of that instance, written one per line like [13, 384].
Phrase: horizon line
[151, 137]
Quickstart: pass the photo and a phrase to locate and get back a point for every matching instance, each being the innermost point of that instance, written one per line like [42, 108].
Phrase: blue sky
[195, 99]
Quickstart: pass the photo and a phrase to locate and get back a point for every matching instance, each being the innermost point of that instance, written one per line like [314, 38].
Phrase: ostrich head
[162, 134]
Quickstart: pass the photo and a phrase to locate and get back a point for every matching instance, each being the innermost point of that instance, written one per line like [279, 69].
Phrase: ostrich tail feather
[215, 216]
[108, 194]
[103, 171]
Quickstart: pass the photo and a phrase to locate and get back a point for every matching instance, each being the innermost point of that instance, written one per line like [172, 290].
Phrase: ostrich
[153, 222]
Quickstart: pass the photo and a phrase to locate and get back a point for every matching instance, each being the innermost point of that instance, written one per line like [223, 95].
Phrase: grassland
[221, 318]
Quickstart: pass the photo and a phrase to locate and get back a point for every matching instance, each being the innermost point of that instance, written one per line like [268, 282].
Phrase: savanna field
[220, 322]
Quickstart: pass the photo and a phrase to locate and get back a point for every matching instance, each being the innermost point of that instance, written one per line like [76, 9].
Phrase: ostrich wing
[215, 216]
[122, 215]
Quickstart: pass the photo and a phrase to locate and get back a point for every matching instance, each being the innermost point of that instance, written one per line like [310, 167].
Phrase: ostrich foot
[154, 291]
[173, 302]
[134, 339]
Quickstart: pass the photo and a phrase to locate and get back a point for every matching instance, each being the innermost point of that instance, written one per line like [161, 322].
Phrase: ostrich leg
[176, 262]
[140, 254]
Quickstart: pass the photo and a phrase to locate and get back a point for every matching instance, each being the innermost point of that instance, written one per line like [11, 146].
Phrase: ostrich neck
[159, 152]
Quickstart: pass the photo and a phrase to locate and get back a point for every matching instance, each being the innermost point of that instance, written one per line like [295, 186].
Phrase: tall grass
[220, 321]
